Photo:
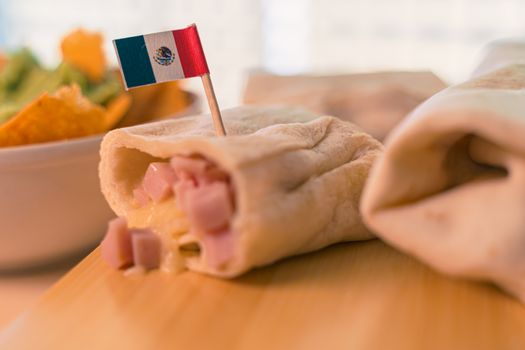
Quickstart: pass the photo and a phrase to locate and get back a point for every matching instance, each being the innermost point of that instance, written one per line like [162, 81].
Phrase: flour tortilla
[376, 101]
[297, 177]
[450, 187]
[499, 54]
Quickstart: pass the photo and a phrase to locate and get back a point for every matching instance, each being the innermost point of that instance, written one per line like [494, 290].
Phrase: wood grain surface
[19, 291]
[349, 296]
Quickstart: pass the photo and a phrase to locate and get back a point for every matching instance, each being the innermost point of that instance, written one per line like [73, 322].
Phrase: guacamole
[24, 78]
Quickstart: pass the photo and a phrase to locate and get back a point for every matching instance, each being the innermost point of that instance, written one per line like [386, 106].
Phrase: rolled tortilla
[450, 186]
[499, 54]
[376, 102]
[296, 177]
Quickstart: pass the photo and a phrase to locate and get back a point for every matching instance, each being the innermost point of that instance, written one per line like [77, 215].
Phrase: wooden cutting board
[350, 296]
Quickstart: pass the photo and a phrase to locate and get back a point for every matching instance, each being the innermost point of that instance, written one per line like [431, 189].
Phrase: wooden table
[19, 291]
[22, 288]
[350, 296]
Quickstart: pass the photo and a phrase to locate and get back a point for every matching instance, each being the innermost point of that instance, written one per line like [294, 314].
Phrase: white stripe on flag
[169, 72]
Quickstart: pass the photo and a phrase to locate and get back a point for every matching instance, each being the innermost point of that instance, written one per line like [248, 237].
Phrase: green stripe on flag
[134, 61]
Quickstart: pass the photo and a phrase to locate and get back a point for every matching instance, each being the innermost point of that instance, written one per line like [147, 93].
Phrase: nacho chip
[172, 99]
[3, 61]
[63, 115]
[154, 102]
[116, 110]
[83, 50]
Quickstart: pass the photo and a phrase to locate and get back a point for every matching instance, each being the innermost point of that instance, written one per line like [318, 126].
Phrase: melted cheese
[168, 221]
[164, 217]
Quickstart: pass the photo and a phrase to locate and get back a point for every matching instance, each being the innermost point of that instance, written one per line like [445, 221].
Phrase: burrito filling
[182, 214]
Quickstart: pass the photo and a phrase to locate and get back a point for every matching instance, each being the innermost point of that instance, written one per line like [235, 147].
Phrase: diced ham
[202, 191]
[186, 167]
[209, 207]
[116, 248]
[158, 181]
[212, 174]
[146, 248]
[122, 247]
[200, 170]
[218, 247]
[181, 189]
[140, 196]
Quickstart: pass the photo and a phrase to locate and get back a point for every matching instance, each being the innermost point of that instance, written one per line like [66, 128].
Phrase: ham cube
[218, 247]
[158, 181]
[116, 247]
[200, 170]
[212, 174]
[209, 207]
[146, 248]
[186, 167]
[140, 196]
[181, 190]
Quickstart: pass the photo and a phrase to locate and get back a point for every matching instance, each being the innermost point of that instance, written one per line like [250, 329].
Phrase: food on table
[77, 98]
[83, 50]
[374, 101]
[155, 102]
[450, 186]
[500, 53]
[80, 97]
[116, 247]
[3, 61]
[62, 115]
[283, 182]
[24, 79]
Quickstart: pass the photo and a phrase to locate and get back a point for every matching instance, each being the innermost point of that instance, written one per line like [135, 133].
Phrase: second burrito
[450, 186]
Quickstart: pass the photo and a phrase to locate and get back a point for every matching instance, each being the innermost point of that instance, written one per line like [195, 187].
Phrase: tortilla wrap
[450, 186]
[297, 179]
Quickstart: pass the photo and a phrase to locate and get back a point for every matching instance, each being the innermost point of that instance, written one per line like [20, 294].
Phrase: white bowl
[50, 201]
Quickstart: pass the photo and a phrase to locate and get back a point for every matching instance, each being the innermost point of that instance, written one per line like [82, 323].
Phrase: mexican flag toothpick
[165, 56]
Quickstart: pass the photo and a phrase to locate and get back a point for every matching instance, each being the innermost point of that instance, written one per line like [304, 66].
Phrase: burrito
[499, 54]
[374, 101]
[448, 188]
[284, 181]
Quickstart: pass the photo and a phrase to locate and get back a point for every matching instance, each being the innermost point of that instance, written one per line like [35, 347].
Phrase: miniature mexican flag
[176, 54]
[154, 58]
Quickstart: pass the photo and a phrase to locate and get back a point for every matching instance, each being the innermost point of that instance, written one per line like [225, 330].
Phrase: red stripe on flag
[190, 51]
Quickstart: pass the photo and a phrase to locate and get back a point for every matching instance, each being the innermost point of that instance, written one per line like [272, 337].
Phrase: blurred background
[286, 37]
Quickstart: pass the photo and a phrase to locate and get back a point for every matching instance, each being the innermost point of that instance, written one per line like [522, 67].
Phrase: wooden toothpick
[214, 106]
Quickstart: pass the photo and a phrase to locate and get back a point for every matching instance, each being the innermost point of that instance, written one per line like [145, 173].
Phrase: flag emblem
[164, 56]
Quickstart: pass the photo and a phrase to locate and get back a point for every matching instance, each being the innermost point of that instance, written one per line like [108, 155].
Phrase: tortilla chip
[83, 50]
[63, 115]
[116, 109]
[172, 99]
[155, 102]
[3, 61]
